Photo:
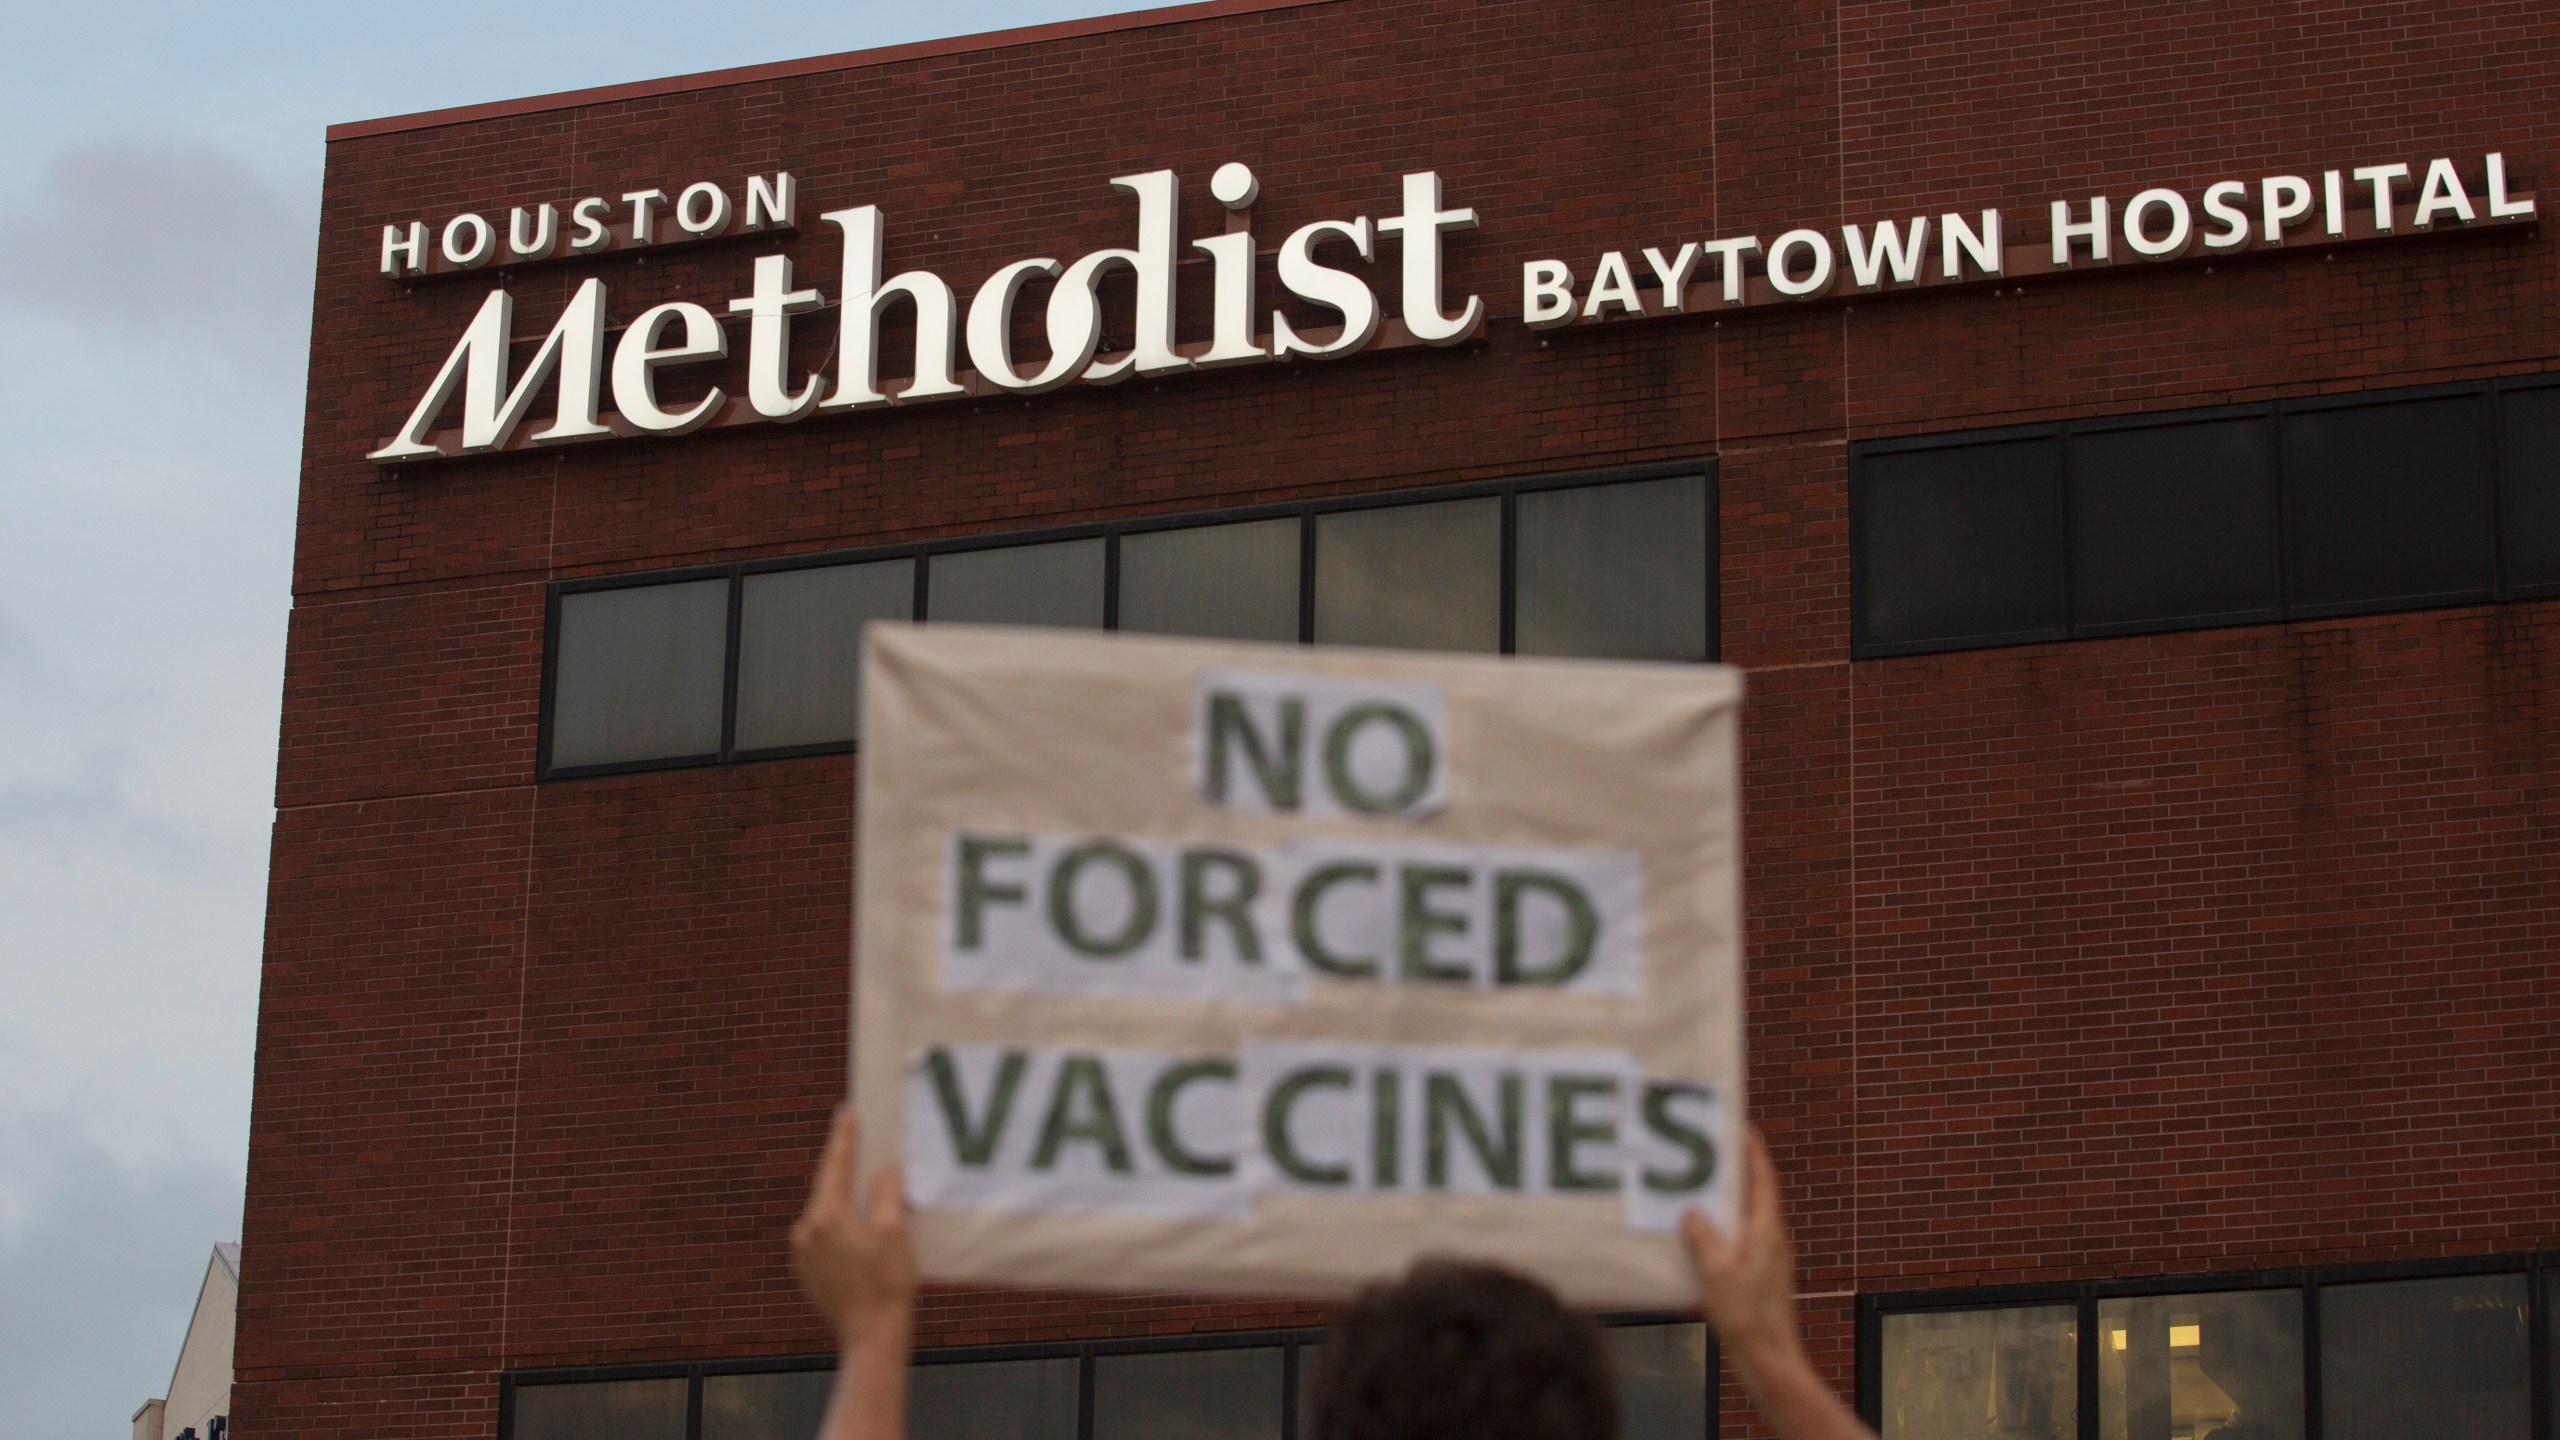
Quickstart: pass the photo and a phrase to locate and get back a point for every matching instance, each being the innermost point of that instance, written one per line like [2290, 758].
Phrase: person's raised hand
[1746, 1281]
[855, 1261]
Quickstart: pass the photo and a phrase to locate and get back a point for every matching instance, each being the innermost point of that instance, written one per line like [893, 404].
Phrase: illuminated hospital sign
[962, 351]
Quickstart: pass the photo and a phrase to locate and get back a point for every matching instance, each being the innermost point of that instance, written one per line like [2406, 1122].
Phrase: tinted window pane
[1059, 583]
[994, 1400]
[800, 649]
[2532, 418]
[2424, 1357]
[640, 673]
[2390, 502]
[2008, 1374]
[1961, 545]
[603, 1410]
[1188, 1395]
[1421, 577]
[2551, 1327]
[2189, 1367]
[1617, 571]
[765, 1407]
[2174, 524]
[1229, 582]
[1662, 1381]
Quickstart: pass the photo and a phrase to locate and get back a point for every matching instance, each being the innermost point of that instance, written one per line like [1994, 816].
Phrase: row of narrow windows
[748, 662]
[2385, 500]
[2317, 1355]
[1226, 1387]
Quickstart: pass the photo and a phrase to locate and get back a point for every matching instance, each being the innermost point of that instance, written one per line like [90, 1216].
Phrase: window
[993, 1400]
[2189, 1367]
[1982, 1373]
[2390, 500]
[649, 1409]
[1059, 583]
[2393, 503]
[1615, 571]
[1229, 582]
[2175, 526]
[800, 649]
[1415, 577]
[2425, 1357]
[1198, 1387]
[1188, 1395]
[783, 1405]
[762, 660]
[2530, 440]
[1961, 545]
[640, 674]
[1662, 1380]
[2349, 1353]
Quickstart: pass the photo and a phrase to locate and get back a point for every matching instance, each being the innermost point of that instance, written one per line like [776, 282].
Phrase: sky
[158, 203]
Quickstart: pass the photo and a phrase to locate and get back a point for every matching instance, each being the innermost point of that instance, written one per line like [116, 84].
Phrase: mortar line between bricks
[524, 982]
[1857, 1106]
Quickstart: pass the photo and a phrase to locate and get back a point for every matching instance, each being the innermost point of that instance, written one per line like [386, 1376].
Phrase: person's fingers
[1763, 1207]
[827, 1188]
[1708, 1246]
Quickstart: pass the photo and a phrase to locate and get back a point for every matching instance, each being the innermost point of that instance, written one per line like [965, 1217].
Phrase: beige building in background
[198, 1405]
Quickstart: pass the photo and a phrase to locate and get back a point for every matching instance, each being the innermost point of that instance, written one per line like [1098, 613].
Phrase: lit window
[1662, 1380]
[2191, 1367]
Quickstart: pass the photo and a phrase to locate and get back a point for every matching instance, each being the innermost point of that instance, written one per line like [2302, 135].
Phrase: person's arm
[1747, 1286]
[859, 1269]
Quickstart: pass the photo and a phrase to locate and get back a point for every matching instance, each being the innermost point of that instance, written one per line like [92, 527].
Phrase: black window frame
[921, 554]
[2503, 589]
[1291, 1340]
[2537, 1267]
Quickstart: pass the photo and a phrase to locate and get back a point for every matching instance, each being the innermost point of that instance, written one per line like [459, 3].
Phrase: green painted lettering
[1082, 1075]
[1275, 764]
[1386, 1091]
[1163, 1096]
[1581, 928]
[1275, 1126]
[974, 1144]
[1069, 922]
[1445, 1100]
[1420, 759]
[1658, 1118]
[976, 891]
[1303, 917]
[1199, 906]
[1417, 922]
[1565, 1130]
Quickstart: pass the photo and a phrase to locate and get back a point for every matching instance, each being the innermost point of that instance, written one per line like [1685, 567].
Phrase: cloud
[173, 243]
[99, 1264]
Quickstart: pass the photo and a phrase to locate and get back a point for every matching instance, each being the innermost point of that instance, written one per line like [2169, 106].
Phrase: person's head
[1459, 1351]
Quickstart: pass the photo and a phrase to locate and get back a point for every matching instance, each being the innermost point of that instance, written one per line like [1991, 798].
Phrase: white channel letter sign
[1269, 969]
[571, 391]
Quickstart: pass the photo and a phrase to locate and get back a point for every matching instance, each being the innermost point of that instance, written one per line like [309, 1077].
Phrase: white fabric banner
[1269, 969]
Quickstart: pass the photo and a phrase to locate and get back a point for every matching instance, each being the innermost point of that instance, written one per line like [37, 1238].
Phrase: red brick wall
[2136, 956]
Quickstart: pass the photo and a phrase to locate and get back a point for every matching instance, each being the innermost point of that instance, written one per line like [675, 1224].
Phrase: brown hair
[1462, 1351]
